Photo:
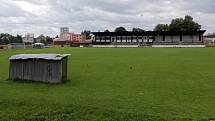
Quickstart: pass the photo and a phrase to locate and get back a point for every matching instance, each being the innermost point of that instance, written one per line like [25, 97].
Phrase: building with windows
[72, 37]
[209, 41]
[28, 38]
[41, 39]
[77, 37]
[64, 30]
[150, 38]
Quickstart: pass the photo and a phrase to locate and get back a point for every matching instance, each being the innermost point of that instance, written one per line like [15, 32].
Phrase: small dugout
[48, 68]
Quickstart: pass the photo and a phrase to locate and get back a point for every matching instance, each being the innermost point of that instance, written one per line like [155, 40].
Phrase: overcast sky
[47, 16]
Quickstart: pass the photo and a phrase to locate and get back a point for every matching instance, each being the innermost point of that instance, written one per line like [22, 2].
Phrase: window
[163, 37]
[129, 39]
[124, 38]
[180, 38]
[102, 37]
[108, 38]
[118, 38]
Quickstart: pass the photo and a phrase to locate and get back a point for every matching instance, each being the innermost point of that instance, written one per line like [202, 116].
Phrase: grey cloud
[96, 15]
[8, 9]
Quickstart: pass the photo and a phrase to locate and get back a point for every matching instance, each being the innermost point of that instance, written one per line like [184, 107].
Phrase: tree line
[123, 29]
[211, 35]
[178, 24]
[7, 39]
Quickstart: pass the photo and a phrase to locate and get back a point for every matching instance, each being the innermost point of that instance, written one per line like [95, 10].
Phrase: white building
[64, 33]
[28, 38]
[210, 41]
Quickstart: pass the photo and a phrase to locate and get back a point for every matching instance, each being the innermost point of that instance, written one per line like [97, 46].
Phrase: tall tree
[184, 24]
[120, 29]
[176, 24]
[137, 30]
[179, 24]
[162, 27]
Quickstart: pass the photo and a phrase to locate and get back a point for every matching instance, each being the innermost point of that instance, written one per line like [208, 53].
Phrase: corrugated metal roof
[39, 56]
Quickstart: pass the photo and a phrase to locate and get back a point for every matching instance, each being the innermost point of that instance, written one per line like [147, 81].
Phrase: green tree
[179, 24]
[49, 40]
[137, 30]
[7, 38]
[19, 39]
[162, 27]
[41, 39]
[120, 29]
[87, 33]
[191, 25]
[106, 30]
[4, 38]
[12, 39]
[184, 24]
[56, 36]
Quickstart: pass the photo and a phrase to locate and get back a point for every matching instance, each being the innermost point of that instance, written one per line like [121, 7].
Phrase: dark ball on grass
[131, 68]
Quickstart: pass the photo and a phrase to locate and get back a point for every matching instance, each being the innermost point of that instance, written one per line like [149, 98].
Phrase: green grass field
[116, 85]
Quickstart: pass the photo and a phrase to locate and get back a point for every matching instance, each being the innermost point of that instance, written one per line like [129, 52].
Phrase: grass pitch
[152, 84]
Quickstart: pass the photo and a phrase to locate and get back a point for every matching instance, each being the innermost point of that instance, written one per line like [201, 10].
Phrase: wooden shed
[49, 68]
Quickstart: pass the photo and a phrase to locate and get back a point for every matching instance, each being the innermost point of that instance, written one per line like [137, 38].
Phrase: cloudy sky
[47, 16]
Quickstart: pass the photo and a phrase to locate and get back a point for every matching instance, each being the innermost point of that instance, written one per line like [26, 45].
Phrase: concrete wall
[178, 46]
[187, 38]
[115, 46]
[158, 39]
[196, 38]
[176, 39]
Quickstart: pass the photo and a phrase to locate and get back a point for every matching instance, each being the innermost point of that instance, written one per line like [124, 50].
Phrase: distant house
[77, 38]
[59, 42]
[209, 41]
[41, 39]
[70, 39]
